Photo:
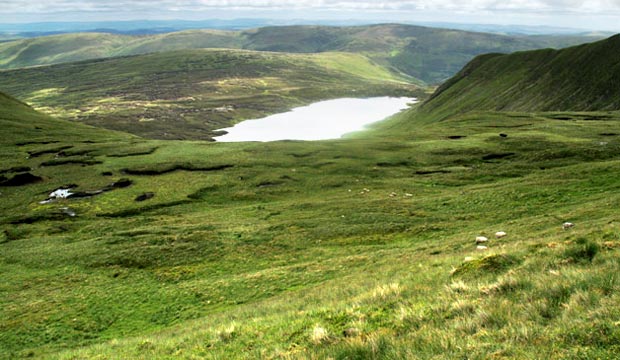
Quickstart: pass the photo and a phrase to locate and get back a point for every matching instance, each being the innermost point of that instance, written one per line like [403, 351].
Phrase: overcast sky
[593, 14]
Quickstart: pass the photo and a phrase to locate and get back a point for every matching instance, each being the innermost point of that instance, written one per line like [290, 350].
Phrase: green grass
[191, 93]
[580, 78]
[350, 249]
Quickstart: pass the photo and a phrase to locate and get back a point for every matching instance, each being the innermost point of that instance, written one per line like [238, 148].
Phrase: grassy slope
[188, 94]
[581, 78]
[342, 249]
[425, 53]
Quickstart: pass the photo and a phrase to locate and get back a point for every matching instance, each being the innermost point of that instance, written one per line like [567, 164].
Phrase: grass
[580, 78]
[190, 94]
[322, 249]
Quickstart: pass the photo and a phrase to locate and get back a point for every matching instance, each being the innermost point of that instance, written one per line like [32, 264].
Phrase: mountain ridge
[430, 54]
[580, 78]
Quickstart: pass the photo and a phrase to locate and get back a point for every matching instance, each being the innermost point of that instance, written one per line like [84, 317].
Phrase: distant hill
[187, 94]
[580, 78]
[429, 54]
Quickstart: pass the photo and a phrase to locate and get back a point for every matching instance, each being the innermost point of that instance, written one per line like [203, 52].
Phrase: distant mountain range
[428, 54]
[143, 27]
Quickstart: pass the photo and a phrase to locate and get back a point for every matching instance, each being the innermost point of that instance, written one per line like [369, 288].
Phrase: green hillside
[429, 54]
[580, 78]
[188, 94]
[359, 248]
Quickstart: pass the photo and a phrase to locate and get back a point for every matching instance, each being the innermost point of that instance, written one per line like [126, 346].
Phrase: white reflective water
[319, 121]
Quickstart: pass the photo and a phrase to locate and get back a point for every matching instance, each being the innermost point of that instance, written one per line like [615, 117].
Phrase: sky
[592, 14]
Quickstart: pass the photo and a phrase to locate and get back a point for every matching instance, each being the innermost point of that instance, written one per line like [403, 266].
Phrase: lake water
[319, 121]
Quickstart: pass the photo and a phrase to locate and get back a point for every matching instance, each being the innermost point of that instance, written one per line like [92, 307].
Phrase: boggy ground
[350, 249]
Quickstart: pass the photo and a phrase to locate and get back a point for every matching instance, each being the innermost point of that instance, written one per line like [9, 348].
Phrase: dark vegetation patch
[456, 137]
[302, 155]
[167, 168]
[609, 134]
[107, 173]
[507, 126]
[582, 251]
[394, 163]
[59, 162]
[430, 172]
[21, 179]
[497, 156]
[16, 169]
[56, 150]
[145, 196]
[121, 183]
[144, 209]
[503, 135]
[74, 152]
[134, 153]
[201, 193]
[24, 143]
[264, 184]
[56, 215]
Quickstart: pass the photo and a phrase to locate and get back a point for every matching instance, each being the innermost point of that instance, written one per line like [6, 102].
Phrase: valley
[355, 248]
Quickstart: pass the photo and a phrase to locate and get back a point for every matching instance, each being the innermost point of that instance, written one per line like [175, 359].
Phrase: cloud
[52, 6]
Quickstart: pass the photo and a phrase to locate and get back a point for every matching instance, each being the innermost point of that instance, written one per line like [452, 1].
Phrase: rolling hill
[188, 94]
[429, 54]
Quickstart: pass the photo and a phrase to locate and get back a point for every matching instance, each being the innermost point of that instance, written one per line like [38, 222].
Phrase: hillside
[429, 54]
[188, 94]
[580, 78]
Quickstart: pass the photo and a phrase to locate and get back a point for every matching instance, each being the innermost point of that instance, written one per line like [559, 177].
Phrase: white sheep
[567, 225]
[500, 234]
[481, 239]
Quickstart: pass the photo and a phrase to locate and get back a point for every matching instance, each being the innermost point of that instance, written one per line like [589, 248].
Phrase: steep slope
[188, 94]
[428, 54]
[580, 78]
